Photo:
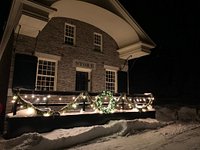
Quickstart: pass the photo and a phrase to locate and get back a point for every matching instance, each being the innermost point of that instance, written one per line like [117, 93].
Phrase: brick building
[71, 45]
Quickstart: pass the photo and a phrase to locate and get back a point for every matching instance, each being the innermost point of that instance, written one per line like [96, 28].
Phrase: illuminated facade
[74, 45]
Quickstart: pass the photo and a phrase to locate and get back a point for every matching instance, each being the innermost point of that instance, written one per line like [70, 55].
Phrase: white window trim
[74, 37]
[113, 69]
[101, 45]
[49, 57]
[89, 75]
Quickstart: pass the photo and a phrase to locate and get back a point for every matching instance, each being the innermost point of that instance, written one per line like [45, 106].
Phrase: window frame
[112, 69]
[50, 58]
[96, 44]
[66, 36]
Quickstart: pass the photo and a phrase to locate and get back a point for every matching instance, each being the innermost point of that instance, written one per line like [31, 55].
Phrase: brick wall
[51, 41]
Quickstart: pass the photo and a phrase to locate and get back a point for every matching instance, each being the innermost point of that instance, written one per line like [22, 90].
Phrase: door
[82, 81]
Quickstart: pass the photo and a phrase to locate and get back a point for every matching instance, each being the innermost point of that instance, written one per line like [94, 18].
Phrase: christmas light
[30, 110]
[74, 106]
[46, 114]
[14, 97]
[103, 103]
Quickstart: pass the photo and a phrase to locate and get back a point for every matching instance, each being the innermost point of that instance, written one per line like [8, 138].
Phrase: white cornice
[135, 50]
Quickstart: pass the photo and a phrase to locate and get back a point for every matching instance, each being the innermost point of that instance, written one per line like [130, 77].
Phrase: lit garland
[27, 105]
[99, 102]
[123, 101]
[84, 96]
[140, 103]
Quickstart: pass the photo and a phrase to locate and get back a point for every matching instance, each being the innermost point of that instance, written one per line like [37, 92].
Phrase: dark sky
[171, 71]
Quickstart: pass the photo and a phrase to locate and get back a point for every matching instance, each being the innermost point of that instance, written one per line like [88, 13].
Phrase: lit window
[97, 42]
[111, 81]
[46, 75]
[69, 36]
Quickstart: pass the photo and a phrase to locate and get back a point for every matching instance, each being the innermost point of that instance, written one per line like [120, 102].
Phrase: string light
[121, 103]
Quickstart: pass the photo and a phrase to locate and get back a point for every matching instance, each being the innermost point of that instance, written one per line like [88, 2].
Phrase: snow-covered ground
[172, 129]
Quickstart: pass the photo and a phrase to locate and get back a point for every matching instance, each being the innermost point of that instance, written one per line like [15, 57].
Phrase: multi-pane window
[111, 80]
[98, 42]
[69, 35]
[46, 73]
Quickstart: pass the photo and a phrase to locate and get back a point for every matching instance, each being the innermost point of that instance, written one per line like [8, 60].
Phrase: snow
[173, 128]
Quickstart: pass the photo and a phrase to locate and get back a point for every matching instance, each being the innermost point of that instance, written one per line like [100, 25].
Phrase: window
[111, 80]
[46, 75]
[97, 42]
[69, 35]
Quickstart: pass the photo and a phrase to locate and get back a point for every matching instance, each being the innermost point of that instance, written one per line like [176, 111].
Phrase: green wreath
[99, 102]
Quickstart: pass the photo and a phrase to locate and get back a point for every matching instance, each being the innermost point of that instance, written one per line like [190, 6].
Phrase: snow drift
[69, 137]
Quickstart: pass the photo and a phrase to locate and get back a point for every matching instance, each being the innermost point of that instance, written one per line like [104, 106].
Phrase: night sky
[172, 71]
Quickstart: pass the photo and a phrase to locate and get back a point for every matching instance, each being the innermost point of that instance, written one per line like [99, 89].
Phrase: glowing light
[74, 106]
[14, 97]
[33, 96]
[21, 106]
[123, 97]
[30, 110]
[112, 111]
[25, 96]
[37, 99]
[13, 101]
[60, 98]
[46, 114]
[73, 97]
[135, 110]
[44, 98]
[129, 105]
[144, 110]
[48, 96]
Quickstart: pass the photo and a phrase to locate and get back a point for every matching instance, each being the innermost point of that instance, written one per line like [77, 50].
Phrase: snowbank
[169, 113]
[69, 137]
[170, 117]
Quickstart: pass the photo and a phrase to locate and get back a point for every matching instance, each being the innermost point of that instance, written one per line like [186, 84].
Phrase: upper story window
[98, 44]
[69, 35]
